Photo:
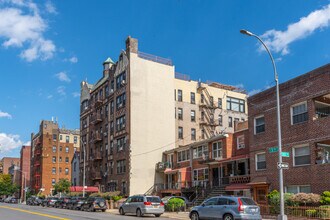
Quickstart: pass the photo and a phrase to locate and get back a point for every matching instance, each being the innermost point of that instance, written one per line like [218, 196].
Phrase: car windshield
[153, 199]
[99, 200]
[248, 201]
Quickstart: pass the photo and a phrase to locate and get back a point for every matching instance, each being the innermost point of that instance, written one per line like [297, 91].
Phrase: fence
[297, 212]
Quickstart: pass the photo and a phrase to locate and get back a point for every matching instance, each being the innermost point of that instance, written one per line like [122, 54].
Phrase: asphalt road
[25, 212]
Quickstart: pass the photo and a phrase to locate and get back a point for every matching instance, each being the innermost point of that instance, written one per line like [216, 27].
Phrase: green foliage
[325, 198]
[62, 186]
[175, 205]
[325, 211]
[311, 212]
[6, 187]
[274, 201]
[116, 198]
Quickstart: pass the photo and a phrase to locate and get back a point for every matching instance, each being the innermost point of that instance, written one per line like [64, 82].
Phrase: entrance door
[215, 177]
[260, 193]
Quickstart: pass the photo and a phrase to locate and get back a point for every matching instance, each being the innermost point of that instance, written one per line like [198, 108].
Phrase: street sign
[273, 149]
[285, 154]
[282, 165]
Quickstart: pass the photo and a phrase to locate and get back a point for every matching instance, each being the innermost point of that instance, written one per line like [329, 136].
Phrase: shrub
[311, 212]
[95, 195]
[175, 204]
[306, 198]
[325, 211]
[116, 198]
[274, 201]
[325, 198]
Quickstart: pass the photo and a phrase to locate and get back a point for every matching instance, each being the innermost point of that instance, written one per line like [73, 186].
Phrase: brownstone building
[25, 169]
[7, 162]
[305, 120]
[52, 149]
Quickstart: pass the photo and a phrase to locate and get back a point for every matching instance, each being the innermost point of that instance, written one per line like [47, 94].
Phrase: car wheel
[194, 216]
[157, 215]
[139, 213]
[103, 210]
[121, 211]
[228, 217]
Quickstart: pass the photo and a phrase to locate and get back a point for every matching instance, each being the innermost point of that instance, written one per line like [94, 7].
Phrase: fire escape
[207, 108]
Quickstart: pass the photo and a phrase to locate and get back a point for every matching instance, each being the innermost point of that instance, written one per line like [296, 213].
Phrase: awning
[260, 180]
[87, 189]
[171, 171]
[240, 157]
[234, 187]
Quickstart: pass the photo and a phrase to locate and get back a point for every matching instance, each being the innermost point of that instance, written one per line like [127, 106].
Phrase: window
[212, 201]
[75, 166]
[179, 95]
[66, 149]
[180, 113]
[54, 159]
[60, 137]
[111, 147]
[220, 103]
[192, 98]
[66, 171]
[183, 155]
[67, 139]
[54, 137]
[236, 120]
[120, 123]
[192, 115]
[259, 124]
[174, 95]
[121, 167]
[60, 160]
[299, 113]
[230, 122]
[75, 139]
[66, 160]
[53, 182]
[220, 120]
[121, 80]
[112, 107]
[200, 151]
[217, 150]
[211, 101]
[261, 161]
[121, 142]
[322, 153]
[202, 98]
[111, 167]
[299, 189]
[200, 176]
[60, 170]
[121, 101]
[235, 104]
[180, 133]
[301, 156]
[203, 134]
[193, 134]
[54, 170]
[60, 148]
[54, 149]
[240, 142]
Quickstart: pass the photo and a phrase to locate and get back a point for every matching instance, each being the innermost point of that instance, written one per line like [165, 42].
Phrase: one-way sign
[282, 165]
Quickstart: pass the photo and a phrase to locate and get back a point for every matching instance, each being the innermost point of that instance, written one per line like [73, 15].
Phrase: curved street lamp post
[281, 216]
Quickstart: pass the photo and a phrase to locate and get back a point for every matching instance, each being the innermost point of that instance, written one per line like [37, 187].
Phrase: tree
[62, 186]
[7, 188]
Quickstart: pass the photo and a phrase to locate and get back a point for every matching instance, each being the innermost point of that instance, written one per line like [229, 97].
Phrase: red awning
[234, 187]
[87, 189]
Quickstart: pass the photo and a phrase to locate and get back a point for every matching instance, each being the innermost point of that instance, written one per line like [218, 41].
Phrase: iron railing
[155, 58]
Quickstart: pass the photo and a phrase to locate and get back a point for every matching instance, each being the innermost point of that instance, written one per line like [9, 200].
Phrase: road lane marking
[34, 213]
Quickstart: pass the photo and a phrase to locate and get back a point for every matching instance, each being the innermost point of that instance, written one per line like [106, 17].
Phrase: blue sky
[48, 47]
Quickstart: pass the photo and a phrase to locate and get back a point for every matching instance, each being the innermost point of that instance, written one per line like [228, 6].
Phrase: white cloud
[50, 8]
[61, 90]
[253, 92]
[5, 115]
[62, 76]
[9, 142]
[49, 96]
[28, 143]
[278, 41]
[73, 59]
[22, 26]
[76, 94]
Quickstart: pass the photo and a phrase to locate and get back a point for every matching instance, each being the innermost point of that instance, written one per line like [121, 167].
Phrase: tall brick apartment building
[25, 166]
[52, 150]
[305, 120]
[7, 162]
[141, 107]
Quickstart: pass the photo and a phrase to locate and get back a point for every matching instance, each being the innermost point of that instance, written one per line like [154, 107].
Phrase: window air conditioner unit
[111, 90]
[123, 82]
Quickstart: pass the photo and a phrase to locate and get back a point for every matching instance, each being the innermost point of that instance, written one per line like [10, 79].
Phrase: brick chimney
[131, 45]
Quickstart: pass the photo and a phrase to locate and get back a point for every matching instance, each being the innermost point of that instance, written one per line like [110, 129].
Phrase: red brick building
[25, 168]
[7, 162]
[305, 111]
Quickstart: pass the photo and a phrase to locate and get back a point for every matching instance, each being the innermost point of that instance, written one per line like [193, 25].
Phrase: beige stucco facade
[151, 122]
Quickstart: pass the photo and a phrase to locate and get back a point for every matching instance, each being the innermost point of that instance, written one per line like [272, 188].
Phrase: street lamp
[24, 176]
[281, 216]
[84, 172]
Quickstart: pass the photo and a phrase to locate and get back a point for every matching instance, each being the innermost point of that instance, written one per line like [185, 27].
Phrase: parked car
[142, 204]
[7, 200]
[94, 203]
[61, 202]
[49, 202]
[13, 200]
[75, 203]
[166, 199]
[227, 208]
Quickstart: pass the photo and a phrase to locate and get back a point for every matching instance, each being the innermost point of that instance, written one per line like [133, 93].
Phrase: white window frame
[294, 155]
[255, 124]
[238, 145]
[217, 143]
[256, 160]
[291, 111]
[180, 152]
[298, 187]
[204, 149]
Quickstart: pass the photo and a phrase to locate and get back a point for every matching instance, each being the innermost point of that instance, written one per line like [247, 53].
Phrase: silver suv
[142, 204]
[226, 208]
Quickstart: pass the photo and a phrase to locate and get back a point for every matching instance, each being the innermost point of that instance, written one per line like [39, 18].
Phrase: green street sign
[273, 149]
[285, 154]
